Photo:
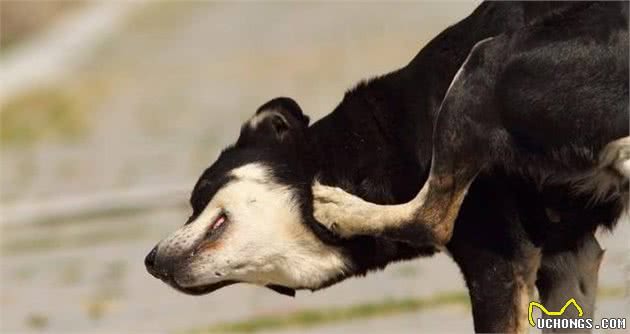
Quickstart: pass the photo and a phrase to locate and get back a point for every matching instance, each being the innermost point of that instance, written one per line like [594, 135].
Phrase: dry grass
[46, 113]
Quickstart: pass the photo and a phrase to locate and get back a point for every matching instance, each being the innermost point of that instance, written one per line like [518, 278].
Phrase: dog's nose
[149, 262]
[158, 268]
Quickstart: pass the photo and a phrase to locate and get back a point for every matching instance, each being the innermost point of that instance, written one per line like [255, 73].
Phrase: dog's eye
[217, 227]
[219, 221]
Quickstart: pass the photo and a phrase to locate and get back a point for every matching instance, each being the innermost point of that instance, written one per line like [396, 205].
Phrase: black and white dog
[523, 152]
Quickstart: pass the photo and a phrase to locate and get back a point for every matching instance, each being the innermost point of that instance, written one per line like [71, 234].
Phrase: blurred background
[111, 110]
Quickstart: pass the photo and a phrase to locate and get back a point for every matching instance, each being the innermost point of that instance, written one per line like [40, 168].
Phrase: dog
[253, 210]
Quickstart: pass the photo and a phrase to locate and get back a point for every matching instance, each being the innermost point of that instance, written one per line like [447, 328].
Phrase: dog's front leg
[466, 131]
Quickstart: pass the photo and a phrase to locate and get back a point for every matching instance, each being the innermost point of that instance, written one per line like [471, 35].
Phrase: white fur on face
[264, 241]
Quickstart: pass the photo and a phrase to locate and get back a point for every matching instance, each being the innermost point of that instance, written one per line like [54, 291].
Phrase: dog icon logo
[552, 313]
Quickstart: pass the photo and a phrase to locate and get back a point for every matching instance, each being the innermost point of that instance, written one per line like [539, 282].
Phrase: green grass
[316, 317]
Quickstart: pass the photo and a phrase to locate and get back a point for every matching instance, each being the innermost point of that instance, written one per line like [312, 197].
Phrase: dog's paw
[616, 155]
[342, 213]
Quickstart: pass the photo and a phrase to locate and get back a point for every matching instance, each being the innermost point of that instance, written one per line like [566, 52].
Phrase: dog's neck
[377, 142]
[360, 148]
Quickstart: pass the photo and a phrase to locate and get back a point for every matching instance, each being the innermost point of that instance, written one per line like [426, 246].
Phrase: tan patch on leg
[524, 285]
[441, 207]
[519, 323]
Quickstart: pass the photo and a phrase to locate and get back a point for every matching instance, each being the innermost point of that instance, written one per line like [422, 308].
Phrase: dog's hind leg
[466, 134]
[500, 286]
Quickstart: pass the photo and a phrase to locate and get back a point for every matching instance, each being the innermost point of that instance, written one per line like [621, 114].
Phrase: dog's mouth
[203, 289]
[206, 289]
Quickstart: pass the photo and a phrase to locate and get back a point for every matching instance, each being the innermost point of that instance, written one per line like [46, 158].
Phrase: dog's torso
[381, 134]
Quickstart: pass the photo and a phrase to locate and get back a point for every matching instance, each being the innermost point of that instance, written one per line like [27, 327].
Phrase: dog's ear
[280, 119]
[287, 107]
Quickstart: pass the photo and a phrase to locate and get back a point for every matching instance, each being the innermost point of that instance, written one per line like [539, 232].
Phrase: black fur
[377, 144]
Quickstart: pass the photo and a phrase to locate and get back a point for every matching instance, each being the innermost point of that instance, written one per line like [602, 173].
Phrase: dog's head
[252, 218]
